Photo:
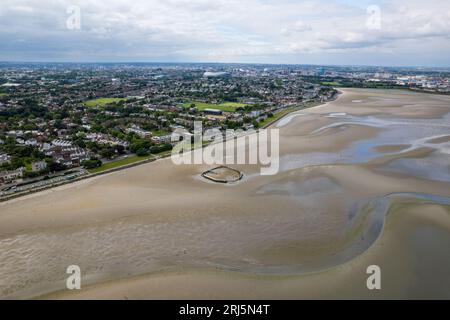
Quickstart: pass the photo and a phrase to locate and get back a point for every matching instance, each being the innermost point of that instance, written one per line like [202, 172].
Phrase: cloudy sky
[367, 32]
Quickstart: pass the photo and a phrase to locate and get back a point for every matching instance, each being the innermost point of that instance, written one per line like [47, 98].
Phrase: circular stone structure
[223, 174]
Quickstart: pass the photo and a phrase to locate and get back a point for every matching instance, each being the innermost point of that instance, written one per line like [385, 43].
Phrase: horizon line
[222, 63]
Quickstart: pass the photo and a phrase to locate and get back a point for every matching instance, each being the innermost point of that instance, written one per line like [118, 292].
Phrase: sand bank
[303, 233]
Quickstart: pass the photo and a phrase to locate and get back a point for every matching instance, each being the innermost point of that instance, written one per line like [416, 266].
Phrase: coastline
[145, 207]
[134, 164]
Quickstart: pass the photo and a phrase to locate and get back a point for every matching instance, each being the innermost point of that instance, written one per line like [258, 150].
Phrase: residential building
[38, 166]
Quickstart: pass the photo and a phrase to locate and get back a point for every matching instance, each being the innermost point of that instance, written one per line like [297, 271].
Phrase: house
[211, 74]
[255, 113]
[31, 142]
[69, 156]
[38, 166]
[4, 158]
[45, 146]
[141, 133]
[10, 176]
[162, 139]
[61, 143]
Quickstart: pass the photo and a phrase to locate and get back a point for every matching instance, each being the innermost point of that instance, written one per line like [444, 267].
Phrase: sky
[333, 32]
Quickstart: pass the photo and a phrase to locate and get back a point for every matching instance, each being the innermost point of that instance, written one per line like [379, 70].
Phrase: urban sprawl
[61, 122]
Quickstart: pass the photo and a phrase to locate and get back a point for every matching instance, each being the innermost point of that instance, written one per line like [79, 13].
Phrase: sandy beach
[364, 180]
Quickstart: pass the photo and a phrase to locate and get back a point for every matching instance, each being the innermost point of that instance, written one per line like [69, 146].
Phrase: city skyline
[29, 63]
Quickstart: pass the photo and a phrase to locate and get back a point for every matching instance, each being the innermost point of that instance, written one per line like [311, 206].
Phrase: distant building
[70, 157]
[215, 112]
[106, 139]
[11, 84]
[38, 166]
[15, 133]
[255, 113]
[61, 143]
[210, 74]
[136, 97]
[162, 139]
[45, 146]
[141, 133]
[10, 176]
[31, 142]
[4, 158]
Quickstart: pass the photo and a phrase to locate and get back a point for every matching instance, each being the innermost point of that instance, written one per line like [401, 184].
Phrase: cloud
[224, 30]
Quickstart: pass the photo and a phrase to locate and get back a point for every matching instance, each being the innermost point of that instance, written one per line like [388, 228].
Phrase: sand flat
[394, 252]
[306, 232]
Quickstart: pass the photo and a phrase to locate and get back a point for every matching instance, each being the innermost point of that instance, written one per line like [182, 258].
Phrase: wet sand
[408, 235]
[160, 231]
[391, 148]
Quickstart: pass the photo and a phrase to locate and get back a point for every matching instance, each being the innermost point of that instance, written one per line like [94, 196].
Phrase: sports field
[226, 106]
[102, 101]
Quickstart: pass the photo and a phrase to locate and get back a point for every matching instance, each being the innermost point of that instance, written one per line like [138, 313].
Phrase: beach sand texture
[363, 180]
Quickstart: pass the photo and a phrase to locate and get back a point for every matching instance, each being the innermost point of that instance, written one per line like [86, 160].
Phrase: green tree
[142, 152]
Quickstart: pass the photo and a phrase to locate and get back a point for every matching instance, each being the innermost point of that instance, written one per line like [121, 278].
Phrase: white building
[61, 143]
[46, 146]
[255, 113]
[4, 158]
[162, 139]
[9, 176]
[141, 133]
[31, 142]
[38, 166]
[210, 74]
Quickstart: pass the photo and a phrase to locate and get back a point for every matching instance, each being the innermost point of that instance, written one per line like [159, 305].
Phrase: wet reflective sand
[362, 180]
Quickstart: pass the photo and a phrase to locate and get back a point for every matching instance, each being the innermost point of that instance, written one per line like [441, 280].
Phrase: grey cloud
[217, 30]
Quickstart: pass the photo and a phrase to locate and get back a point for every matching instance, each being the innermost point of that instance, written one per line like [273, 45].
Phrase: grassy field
[127, 161]
[119, 163]
[2, 94]
[102, 101]
[161, 132]
[281, 114]
[226, 106]
[330, 83]
[277, 116]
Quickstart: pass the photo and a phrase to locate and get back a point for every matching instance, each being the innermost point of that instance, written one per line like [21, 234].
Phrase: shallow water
[396, 131]
[325, 225]
[434, 167]
[228, 243]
